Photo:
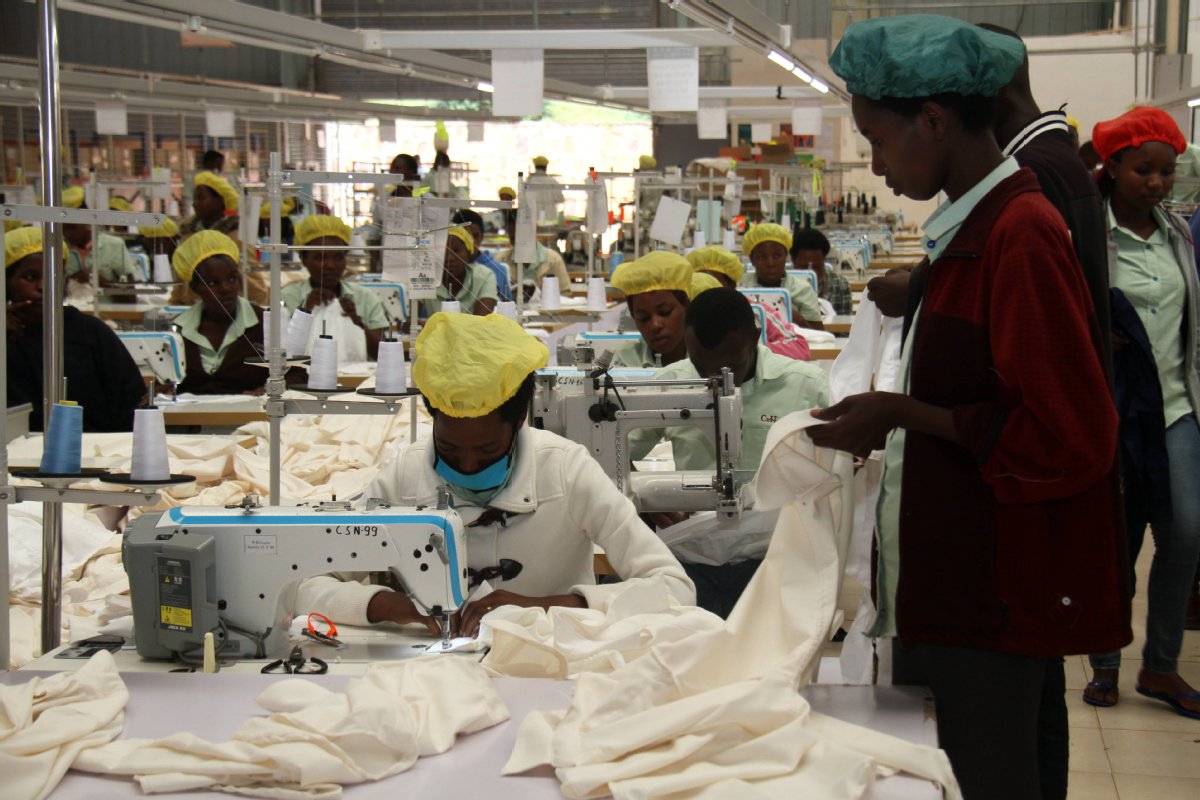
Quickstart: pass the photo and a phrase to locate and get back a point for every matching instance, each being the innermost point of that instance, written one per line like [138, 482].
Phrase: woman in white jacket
[525, 495]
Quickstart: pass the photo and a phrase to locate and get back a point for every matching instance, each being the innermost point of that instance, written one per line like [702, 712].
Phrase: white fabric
[718, 712]
[705, 538]
[315, 740]
[561, 506]
[332, 320]
[871, 355]
[46, 722]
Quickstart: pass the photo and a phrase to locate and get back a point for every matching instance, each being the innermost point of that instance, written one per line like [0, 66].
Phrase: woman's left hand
[858, 424]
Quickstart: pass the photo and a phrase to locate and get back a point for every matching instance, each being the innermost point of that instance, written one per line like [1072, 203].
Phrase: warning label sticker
[174, 594]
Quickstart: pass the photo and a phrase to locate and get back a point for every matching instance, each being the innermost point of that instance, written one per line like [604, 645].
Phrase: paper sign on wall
[760, 132]
[807, 117]
[162, 180]
[670, 220]
[111, 118]
[712, 120]
[518, 75]
[673, 74]
[474, 131]
[218, 122]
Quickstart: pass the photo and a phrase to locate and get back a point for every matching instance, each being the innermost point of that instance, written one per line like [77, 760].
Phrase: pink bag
[781, 338]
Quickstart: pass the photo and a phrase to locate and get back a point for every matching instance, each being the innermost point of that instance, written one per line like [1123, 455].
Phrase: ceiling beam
[545, 39]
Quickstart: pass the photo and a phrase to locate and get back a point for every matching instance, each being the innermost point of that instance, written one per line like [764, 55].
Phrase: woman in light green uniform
[768, 245]
[472, 285]
[657, 290]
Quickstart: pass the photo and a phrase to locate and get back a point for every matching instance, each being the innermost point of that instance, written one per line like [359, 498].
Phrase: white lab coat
[561, 504]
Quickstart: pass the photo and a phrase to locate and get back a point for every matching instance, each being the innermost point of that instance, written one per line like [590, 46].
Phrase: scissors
[327, 636]
[297, 664]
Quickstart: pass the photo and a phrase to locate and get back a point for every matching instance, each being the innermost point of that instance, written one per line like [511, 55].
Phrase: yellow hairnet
[20, 243]
[318, 226]
[647, 162]
[441, 137]
[655, 271]
[541, 161]
[1074, 123]
[118, 203]
[464, 236]
[213, 181]
[507, 190]
[12, 225]
[167, 229]
[766, 232]
[72, 197]
[286, 206]
[702, 282]
[468, 366]
[715, 258]
[200, 246]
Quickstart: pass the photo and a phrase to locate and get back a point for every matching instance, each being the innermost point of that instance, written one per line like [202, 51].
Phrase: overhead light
[484, 86]
[781, 60]
[371, 122]
[802, 75]
[1195, 101]
[821, 87]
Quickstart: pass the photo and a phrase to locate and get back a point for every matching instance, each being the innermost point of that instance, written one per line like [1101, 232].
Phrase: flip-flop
[1103, 686]
[1172, 699]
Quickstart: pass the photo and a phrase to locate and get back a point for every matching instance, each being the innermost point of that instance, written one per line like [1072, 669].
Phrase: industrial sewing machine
[235, 570]
[158, 354]
[599, 410]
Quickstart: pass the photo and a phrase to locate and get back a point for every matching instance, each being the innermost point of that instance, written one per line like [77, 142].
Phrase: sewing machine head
[234, 571]
[158, 354]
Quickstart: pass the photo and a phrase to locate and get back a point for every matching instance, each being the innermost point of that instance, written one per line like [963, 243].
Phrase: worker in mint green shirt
[721, 331]
[326, 269]
[472, 285]
[768, 246]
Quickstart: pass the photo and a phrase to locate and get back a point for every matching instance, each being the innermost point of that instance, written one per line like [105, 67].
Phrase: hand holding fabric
[399, 607]
[858, 424]
[467, 621]
[890, 292]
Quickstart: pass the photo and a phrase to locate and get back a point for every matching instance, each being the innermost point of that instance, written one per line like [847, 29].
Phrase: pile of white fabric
[315, 741]
[718, 713]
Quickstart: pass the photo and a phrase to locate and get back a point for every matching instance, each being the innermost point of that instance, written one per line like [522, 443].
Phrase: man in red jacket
[997, 545]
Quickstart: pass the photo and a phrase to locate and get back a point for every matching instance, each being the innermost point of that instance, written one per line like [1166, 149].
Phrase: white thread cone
[162, 269]
[295, 343]
[596, 300]
[322, 370]
[508, 309]
[390, 374]
[149, 446]
[451, 306]
[550, 297]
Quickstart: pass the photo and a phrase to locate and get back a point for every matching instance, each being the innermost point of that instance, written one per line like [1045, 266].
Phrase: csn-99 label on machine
[174, 594]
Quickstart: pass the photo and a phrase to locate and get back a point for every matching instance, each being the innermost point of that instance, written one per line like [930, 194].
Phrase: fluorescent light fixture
[821, 87]
[1195, 101]
[802, 75]
[484, 86]
[781, 59]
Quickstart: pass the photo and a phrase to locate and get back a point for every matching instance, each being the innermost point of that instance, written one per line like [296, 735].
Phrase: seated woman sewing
[524, 494]
[223, 328]
[768, 245]
[656, 288]
[472, 285]
[101, 375]
[324, 286]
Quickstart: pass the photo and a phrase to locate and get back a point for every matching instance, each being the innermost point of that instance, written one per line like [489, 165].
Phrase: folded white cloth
[721, 708]
[46, 722]
[315, 741]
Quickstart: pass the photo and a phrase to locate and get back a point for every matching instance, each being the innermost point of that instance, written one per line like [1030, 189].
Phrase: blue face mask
[492, 477]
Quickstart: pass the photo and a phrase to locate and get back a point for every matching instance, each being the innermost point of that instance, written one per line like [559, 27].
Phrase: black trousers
[718, 588]
[1001, 718]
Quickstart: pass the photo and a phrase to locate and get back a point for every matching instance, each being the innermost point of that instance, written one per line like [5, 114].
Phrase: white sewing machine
[234, 570]
[158, 354]
[599, 410]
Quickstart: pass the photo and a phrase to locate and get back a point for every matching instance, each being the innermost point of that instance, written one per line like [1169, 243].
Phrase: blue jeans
[1176, 551]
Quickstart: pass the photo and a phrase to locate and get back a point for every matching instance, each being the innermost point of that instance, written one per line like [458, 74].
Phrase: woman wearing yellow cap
[214, 206]
[524, 494]
[768, 245]
[101, 375]
[325, 285]
[472, 285]
[222, 329]
[656, 288]
[288, 230]
[107, 253]
[160, 239]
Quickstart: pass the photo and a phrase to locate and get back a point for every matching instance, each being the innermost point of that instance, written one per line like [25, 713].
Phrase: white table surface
[161, 704]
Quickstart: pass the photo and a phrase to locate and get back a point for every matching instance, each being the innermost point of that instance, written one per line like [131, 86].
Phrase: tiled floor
[1139, 749]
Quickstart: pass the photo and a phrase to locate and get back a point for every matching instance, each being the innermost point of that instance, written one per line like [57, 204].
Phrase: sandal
[1096, 694]
[1172, 699]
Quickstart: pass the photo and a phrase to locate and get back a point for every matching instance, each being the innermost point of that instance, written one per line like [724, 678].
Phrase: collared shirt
[1150, 277]
[368, 307]
[503, 290]
[115, 262]
[635, 355]
[547, 262]
[478, 284]
[939, 232]
[837, 292]
[210, 357]
[1049, 121]
[779, 386]
[804, 298]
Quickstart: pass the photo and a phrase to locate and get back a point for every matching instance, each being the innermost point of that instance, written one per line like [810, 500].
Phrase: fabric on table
[721, 706]
[46, 723]
[315, 740]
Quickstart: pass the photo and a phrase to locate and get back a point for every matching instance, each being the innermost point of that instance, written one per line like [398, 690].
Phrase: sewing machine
[599, 410]
[235, 570]
[158, 354]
